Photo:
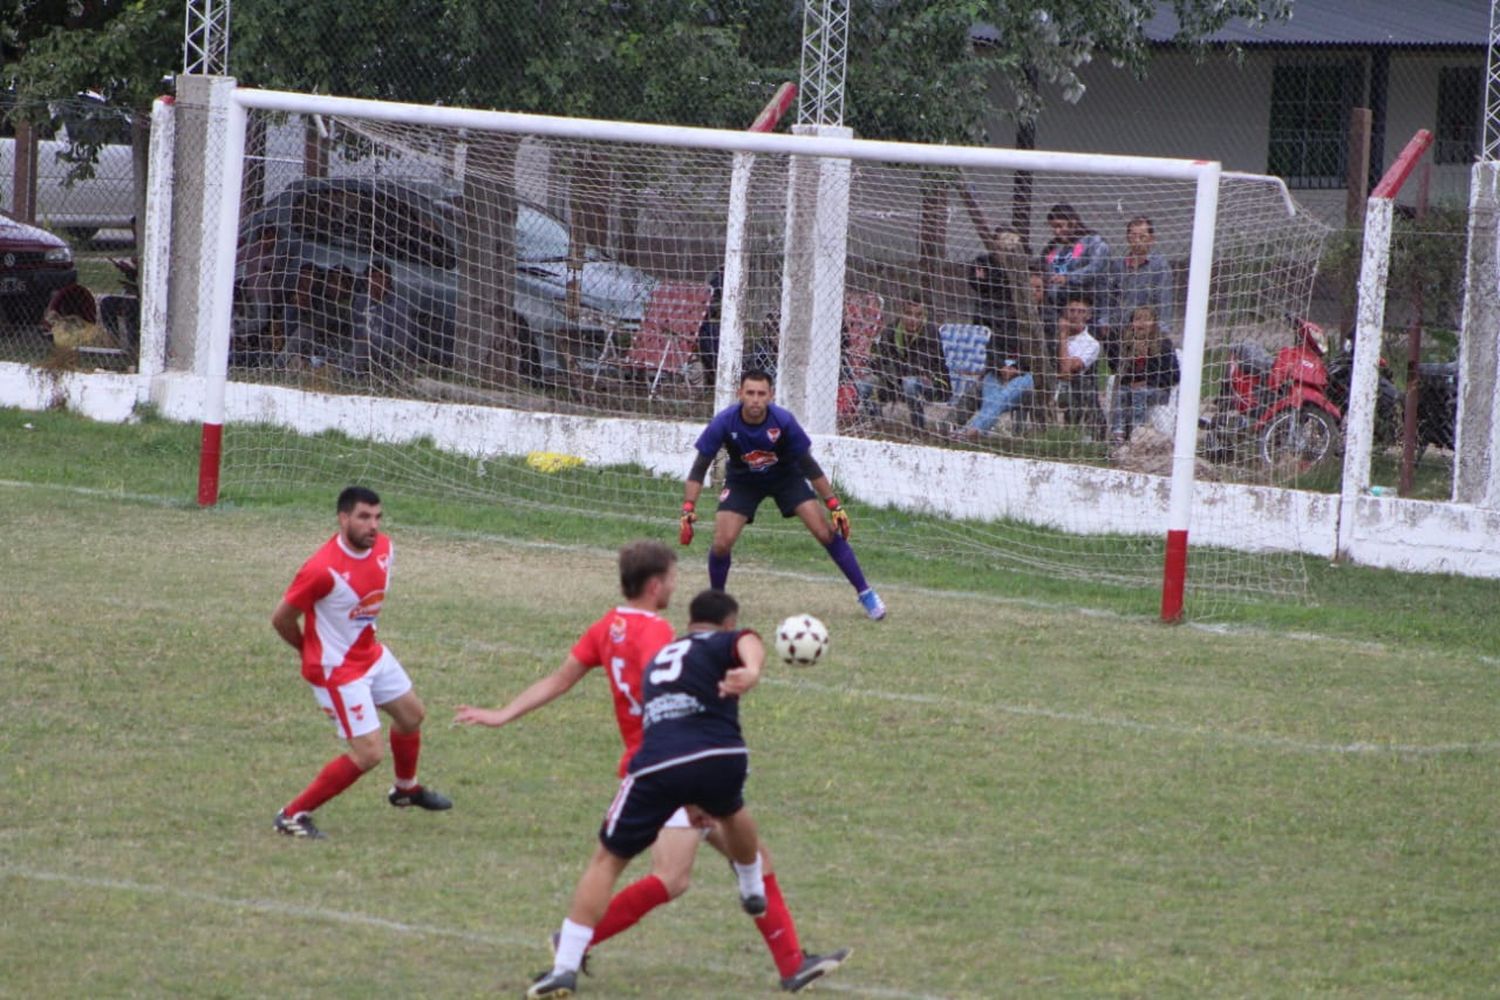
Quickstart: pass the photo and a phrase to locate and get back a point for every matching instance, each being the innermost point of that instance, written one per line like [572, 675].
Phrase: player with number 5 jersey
[692, 761]
[623, 643]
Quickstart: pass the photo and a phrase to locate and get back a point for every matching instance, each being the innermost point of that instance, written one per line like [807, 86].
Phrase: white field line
[323, 915]
[1241, 739]
[1132, 725]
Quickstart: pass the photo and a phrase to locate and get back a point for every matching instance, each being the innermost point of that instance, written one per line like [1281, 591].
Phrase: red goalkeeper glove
[840, 518]
[685, 532]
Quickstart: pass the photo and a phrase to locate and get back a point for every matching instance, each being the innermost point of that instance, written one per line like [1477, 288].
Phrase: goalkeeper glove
[840, 518]
[685, 532]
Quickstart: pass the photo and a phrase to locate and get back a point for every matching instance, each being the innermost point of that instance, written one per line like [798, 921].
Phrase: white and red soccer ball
[801, 640]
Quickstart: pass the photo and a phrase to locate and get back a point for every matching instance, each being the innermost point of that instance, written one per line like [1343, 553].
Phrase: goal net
[991, 348]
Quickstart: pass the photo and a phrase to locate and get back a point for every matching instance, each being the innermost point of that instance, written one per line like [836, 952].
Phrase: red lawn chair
[668, 338]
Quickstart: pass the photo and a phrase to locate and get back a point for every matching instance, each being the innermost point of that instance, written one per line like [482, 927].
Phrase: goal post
[339, 347]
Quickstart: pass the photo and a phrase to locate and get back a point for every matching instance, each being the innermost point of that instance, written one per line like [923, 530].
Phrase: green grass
[1004, 789]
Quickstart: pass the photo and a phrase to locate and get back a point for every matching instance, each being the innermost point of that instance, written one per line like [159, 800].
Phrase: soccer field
[984, 795]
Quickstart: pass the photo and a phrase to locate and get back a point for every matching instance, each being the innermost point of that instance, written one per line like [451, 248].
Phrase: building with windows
[1278, 98]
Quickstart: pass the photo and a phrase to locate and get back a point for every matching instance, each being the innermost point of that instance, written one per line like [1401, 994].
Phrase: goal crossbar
[1204, 174]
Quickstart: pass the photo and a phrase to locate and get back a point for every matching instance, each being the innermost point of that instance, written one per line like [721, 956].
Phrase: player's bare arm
[549, 688]
[286, 620]
[752, 654]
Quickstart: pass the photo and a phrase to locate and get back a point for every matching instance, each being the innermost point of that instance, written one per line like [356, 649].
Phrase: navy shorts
[647, 800]
[744, 495]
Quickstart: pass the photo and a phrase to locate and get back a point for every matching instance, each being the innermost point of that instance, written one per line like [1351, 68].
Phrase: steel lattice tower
[825, 54]
[205, 38]
[1491, 150]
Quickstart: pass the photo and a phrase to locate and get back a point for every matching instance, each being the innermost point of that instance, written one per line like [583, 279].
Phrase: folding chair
[863, 314]
[964, 349]
[668, 337]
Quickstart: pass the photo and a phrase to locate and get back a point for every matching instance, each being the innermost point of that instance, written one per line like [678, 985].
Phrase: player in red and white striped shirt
[339, 592]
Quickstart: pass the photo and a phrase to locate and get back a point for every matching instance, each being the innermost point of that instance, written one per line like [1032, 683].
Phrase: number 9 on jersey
[801, 640]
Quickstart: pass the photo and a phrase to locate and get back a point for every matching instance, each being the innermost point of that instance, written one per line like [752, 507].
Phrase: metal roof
[1404, 23]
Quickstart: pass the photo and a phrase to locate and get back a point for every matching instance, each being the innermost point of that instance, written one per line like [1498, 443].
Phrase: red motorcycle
[1280, 402]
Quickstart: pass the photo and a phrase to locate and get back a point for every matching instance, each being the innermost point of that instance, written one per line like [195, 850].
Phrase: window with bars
[1457, 139]
[1309, 138]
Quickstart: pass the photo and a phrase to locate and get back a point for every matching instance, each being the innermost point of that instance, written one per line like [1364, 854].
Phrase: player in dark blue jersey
[692, 756]
[770, 455]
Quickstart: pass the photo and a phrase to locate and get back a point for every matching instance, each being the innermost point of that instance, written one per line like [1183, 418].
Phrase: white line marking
[317, 913]
[1201, 732]
[1270, 742]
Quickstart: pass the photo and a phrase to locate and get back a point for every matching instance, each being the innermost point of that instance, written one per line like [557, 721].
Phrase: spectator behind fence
[909, 359]
[1077, 377]
[1147, 369]
[1076, 259]
[1007, 372]
[1139, 277]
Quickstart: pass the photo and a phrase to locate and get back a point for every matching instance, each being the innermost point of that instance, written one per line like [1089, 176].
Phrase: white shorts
[679, 821]
[352, 706]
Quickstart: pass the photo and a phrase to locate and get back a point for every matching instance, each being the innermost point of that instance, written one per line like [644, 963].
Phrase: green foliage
[913, 73]
[1427, 254]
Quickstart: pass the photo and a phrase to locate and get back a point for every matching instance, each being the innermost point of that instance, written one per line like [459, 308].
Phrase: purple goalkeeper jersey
[770, 448]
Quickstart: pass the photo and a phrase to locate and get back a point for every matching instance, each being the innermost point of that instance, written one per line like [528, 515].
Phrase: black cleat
[421, 797]
[553, 984]
[753, 905]
[300, 825]
[815, 967]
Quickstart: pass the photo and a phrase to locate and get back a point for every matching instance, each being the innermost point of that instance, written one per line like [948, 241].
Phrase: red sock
[337, 775]
[405, 748]
[779, 930]
[628, 906]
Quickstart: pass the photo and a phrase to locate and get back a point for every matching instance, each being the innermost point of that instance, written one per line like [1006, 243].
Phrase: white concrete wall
[1407, 535]
[1217, 110]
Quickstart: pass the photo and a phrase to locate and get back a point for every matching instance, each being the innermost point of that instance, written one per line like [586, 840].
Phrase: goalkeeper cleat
[814, 967]
[553, 984]
[873, 605]
[300, 825]
[421, 797]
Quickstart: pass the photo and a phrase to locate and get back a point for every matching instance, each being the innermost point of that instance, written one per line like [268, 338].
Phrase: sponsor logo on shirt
[368, 607]
[759, 460]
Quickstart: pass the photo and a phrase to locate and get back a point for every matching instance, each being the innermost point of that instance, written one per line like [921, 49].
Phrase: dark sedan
[33, 265]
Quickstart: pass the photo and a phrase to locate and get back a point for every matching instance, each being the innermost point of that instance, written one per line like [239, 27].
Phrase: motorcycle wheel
[1299, 441]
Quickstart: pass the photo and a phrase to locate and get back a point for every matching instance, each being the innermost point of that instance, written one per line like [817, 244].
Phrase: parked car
[399, 241]
[79, 202]
[33, 265]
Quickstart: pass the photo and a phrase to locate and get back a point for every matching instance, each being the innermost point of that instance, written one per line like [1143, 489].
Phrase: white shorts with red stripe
[352, 706]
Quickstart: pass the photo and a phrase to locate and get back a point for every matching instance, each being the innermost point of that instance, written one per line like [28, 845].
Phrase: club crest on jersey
[617, 630]
[384, 562]
[760, 459]
[774, 433]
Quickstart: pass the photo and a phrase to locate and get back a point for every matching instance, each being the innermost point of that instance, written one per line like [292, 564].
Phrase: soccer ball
[801, 640]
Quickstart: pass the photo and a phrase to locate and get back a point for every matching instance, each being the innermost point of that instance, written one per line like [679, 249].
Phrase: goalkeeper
[770, 455]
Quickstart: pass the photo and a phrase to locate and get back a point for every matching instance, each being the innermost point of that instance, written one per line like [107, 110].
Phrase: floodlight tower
[825, 54]
[1476, 475]
[205, 38]
[817, 228]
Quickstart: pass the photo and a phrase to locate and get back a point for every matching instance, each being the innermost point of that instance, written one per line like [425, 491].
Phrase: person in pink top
[328, 615]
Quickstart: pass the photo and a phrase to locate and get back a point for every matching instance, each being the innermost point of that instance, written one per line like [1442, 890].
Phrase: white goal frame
[224, 221]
